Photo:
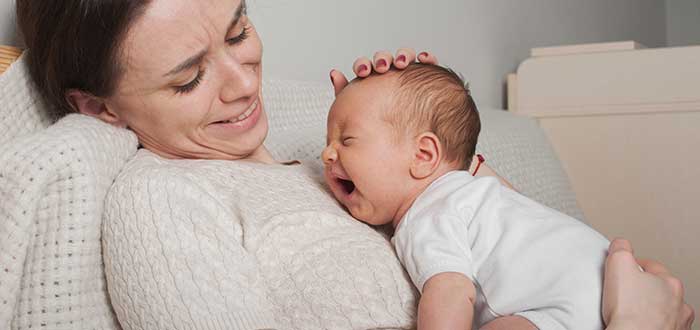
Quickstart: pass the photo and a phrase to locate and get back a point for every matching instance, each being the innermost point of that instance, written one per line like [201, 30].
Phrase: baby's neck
[419, 186]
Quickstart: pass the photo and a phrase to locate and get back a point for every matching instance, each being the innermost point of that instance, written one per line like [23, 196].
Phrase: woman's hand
[636, 299]
[381, 63]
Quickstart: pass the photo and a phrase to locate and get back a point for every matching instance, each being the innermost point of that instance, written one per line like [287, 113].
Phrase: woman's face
[191, 86]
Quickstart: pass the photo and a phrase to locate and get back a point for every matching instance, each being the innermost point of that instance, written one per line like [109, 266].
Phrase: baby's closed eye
[348, 140]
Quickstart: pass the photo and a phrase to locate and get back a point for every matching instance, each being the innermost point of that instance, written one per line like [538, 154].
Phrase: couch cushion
[52, 186]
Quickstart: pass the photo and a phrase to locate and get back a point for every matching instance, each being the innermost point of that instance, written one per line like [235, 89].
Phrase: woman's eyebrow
[188, 63]
[237, 17]
[197, 58]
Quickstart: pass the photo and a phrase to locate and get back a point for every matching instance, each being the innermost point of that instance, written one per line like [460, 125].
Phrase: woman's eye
[239, 38]
[190, 86]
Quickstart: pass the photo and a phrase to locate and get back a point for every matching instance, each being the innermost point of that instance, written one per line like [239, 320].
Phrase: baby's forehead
[373, 89]
[384, 80]
[362, 99]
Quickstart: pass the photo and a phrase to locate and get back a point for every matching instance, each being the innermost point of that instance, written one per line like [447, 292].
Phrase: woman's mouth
[241, 123]
[242, 116]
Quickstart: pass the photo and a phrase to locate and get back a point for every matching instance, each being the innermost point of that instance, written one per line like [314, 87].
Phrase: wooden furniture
[625, 122]
[8, 55]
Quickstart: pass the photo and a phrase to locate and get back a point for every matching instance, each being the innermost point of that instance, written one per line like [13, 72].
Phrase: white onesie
[523, 258]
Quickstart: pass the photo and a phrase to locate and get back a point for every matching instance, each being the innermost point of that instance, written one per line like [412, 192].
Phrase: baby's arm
[510, 322]
[447, 302]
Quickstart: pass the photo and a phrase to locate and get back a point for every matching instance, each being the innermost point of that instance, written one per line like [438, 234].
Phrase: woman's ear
[427, 155]
[90, 105]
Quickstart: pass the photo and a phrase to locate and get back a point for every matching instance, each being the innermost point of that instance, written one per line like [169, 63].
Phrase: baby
[398, 149]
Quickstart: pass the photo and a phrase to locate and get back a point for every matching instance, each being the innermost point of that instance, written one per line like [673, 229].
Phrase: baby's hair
[430, 97]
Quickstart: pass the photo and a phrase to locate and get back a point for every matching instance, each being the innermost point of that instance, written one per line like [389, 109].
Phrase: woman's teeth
[244, 115]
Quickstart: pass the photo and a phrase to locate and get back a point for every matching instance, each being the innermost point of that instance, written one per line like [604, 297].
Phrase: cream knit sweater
[202, 244]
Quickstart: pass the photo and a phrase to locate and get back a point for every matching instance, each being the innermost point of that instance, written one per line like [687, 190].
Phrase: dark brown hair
[75, 44]
[430, 97]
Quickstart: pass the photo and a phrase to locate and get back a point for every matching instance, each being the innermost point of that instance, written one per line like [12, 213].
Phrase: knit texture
[248, 244]
[52, 187]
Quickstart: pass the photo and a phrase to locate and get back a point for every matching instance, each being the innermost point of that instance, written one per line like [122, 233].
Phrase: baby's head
[391, 135]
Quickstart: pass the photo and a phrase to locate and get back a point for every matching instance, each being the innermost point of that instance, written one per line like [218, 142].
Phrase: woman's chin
[237, 142]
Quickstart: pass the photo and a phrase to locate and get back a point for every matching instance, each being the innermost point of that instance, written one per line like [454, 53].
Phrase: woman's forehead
[172, 30]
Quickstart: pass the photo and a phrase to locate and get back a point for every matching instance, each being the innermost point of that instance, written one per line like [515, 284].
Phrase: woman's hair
[75, 44]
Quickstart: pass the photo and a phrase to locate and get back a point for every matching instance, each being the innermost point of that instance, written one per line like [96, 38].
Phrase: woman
[204, 229]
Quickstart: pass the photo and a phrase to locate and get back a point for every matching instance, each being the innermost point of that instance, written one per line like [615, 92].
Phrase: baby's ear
[427, 155]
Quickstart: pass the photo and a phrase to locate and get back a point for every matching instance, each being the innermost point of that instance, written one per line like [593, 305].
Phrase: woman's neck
[262, 155]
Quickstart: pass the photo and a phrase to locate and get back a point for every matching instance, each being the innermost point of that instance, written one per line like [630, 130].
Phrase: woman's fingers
[653, 267]
[620, 258]
[427, 58]
[362, 67]
[619, 244]
[338, 80]
[687, 317]
[404, 57]
[382, 61]
[653, 297]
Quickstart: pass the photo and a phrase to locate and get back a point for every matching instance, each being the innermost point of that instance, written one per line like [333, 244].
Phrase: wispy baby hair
[436, 99]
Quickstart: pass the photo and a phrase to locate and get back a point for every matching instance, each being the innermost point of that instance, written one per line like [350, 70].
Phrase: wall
[484, 40]
[683, 22]
[8, 35]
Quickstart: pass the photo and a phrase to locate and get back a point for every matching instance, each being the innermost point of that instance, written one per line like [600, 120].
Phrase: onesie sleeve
[431, 243]
[174, 258]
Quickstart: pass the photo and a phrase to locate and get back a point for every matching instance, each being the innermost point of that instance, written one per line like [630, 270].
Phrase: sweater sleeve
[174, 257]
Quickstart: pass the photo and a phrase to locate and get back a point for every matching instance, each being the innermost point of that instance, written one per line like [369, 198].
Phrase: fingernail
[423, 54]
[401, 59]
[381, 63]
[361, 68]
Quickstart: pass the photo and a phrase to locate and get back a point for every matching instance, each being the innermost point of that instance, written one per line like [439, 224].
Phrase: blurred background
[482, 39]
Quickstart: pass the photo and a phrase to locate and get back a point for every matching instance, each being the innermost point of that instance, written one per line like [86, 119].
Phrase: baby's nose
[329, 155]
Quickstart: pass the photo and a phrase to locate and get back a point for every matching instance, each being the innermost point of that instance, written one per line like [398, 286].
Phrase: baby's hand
[381, 63]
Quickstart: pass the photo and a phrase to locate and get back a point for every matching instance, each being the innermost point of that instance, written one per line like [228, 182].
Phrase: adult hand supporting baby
[381, 63]
[632, 299]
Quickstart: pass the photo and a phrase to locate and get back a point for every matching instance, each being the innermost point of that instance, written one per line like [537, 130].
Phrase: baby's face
[366, 162]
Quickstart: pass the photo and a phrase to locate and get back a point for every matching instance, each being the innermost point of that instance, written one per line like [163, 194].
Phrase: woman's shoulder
[147, 173]
[146, 166]
[150, 184]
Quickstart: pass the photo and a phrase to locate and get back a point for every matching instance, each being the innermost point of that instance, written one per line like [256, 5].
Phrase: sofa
[55, 173]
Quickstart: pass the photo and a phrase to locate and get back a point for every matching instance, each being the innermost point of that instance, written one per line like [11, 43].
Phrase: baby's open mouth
[347, 185]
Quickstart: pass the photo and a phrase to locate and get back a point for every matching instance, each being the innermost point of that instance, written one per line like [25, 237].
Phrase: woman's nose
[240, 81]
[329, 155]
